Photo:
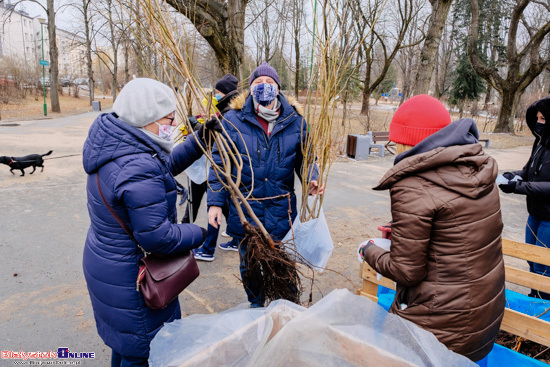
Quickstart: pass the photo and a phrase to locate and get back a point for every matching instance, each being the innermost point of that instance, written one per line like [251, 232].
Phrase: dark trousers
[118, 360]
[251, 287]
[196, 193]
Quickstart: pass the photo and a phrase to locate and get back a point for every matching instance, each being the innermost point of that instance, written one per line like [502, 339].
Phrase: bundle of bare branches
[279, 276]
[329, 75]
[272, 261]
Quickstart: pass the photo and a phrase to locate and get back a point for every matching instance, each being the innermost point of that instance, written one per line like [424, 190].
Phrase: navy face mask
[539, 127]
[264, 93]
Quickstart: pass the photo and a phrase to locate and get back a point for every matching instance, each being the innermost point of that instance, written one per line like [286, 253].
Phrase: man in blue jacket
[269, 131]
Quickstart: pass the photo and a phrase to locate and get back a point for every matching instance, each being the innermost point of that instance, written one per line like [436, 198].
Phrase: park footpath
[44, 304]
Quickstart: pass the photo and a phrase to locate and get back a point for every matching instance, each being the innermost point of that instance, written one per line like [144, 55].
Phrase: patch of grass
[31, 109]
[381, 115]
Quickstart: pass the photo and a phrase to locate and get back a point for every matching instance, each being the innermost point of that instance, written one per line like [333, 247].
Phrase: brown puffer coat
[446, 249]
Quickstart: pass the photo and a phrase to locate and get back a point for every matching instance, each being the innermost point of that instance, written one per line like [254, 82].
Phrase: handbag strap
[117, 218]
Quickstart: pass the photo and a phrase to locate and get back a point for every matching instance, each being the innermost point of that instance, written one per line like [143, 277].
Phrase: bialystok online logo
[62, 353]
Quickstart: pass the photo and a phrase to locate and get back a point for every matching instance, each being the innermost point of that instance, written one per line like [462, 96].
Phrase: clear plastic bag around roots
[342, 329]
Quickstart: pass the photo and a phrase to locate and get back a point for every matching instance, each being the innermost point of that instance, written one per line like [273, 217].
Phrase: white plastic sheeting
[342, 329]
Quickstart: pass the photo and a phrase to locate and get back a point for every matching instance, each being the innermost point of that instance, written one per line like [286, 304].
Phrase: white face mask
[165, 131]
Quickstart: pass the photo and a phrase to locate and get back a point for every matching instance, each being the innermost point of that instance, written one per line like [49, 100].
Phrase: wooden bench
[390, 145]
[384, 136]
[514, 322]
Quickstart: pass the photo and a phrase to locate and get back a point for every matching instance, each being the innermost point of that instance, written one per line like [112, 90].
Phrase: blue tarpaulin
[500, 356]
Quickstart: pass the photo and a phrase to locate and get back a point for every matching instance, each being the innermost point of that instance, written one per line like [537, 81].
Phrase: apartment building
[21, 39]
[17, 34]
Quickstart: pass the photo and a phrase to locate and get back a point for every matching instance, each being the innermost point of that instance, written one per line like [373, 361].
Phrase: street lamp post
[42, 21]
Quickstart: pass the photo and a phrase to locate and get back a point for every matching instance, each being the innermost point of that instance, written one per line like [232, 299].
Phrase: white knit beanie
[143, 101]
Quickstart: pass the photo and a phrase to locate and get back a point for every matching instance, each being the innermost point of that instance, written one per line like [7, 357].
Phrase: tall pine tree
[467, 84]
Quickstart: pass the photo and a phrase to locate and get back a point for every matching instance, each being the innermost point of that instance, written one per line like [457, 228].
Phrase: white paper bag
[198, 171]
[313, 241]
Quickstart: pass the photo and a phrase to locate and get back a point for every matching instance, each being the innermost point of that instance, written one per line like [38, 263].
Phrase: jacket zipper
[286, 118]
[259, 153]
[537, 159]
[541, 161]
[267, 143]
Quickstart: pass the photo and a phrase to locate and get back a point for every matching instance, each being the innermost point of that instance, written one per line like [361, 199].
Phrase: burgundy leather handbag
[161, 279]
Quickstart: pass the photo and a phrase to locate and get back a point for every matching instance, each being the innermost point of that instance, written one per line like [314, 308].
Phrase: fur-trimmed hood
[238, 102]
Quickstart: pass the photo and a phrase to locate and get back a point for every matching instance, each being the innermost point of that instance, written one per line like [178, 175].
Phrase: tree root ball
[272, 269]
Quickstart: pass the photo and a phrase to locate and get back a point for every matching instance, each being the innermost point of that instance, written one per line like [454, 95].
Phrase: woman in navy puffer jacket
[130, 152]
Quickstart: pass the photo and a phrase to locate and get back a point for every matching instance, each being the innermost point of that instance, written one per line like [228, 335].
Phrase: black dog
[34, 160]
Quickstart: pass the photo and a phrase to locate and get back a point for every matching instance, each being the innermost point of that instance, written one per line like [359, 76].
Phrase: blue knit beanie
[265, 70]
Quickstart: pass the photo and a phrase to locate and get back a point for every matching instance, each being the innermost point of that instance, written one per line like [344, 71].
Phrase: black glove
[211, 125]
[193, 122]
[364, 248]
[508, 188]
[508, 175]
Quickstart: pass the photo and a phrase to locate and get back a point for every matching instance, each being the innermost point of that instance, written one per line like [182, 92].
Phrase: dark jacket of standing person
[275, 160]
[535, 185]
[136, 175]
[446, 251]
[536, 173]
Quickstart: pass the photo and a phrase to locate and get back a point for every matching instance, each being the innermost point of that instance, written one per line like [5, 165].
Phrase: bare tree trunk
[345, 107]
[89, 65]
[436, 75]
[365, 101]
[368, 71]
[522, 65]
[235, 34]
[440, 10]
[54, 56]
[298, 68]
[222, 26]
[114, 45]
[506, 115]
[100, 64]
[126, 64]
[487, 98]
[405, 11]
[139, 47]
[297, 23]
[365, 104]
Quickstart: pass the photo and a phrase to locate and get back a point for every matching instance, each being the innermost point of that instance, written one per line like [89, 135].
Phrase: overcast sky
[63, 16]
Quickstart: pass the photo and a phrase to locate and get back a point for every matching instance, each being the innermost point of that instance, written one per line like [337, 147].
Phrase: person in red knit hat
[416, 119]
[446, 249]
